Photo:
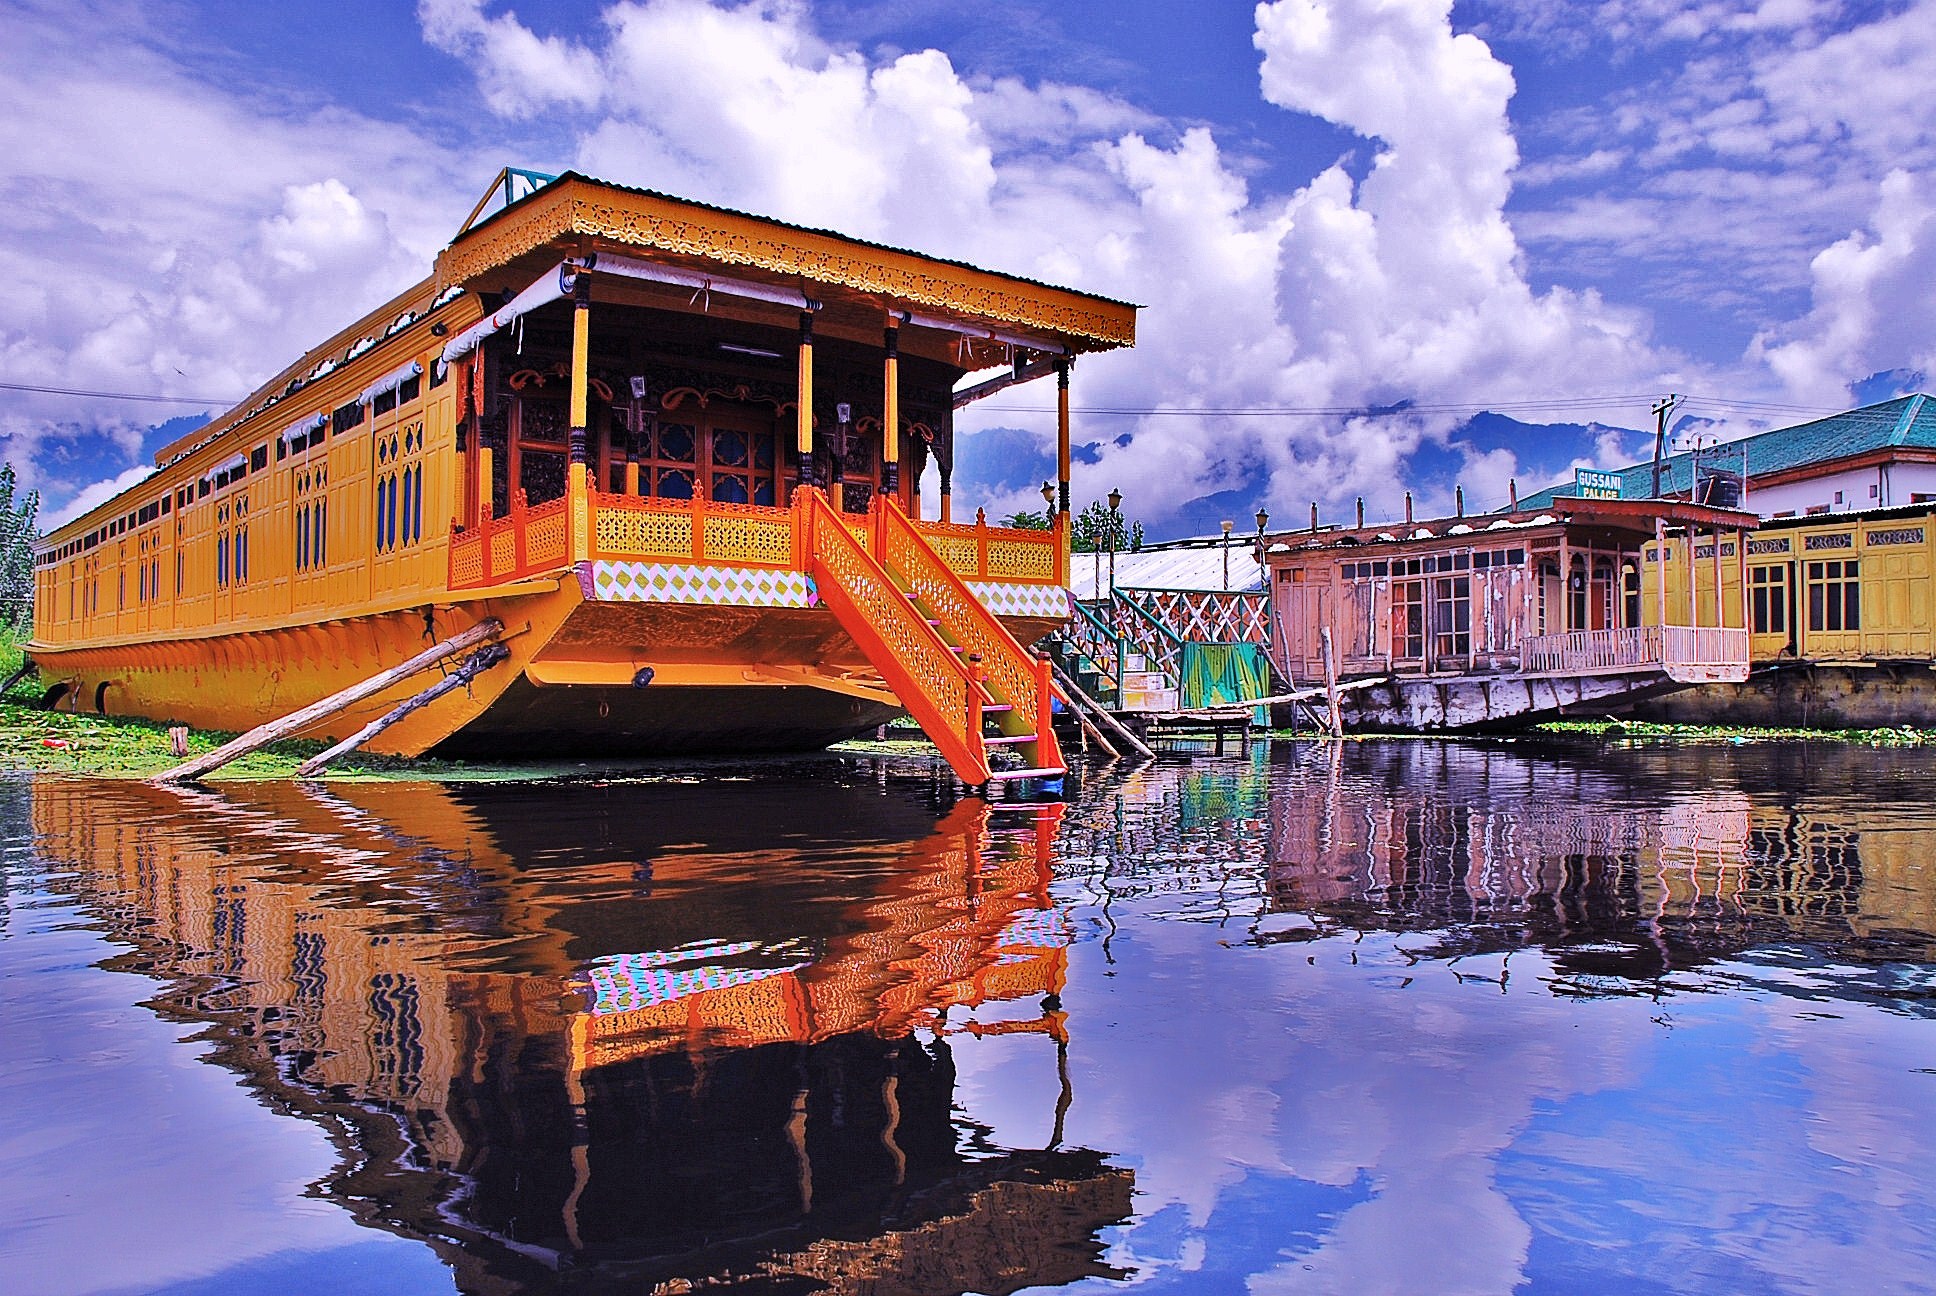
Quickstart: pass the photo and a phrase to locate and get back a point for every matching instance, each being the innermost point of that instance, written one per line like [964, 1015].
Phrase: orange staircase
[947, 659]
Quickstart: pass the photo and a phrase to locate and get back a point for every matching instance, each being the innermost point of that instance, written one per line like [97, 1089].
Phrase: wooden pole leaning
[467, 670]
[1334, 719]
[1076, 697]
[1089, 729]
[296, 721]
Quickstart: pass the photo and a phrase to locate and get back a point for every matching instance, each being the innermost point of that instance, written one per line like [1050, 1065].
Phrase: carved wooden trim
[576, 207]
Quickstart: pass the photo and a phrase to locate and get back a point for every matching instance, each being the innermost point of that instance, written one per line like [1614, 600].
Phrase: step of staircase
[1009, 776]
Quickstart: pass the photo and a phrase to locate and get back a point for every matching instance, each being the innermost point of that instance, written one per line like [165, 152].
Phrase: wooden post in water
[1334, 718]
[316, 712]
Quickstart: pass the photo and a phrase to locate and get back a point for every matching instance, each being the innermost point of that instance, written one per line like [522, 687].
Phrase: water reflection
[1370, 1017]
[1627, 864]
[623, 1046]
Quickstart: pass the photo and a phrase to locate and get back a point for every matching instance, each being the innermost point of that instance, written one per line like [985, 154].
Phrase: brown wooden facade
[1563, 590]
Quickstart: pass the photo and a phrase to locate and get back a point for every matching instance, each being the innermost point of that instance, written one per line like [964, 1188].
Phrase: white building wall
[1859, 488]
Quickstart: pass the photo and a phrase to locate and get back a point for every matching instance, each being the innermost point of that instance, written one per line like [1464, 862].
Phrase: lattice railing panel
[547, 539]
[1160, 648]
[1208, 616]
[627, 528]
[743, 539]
[1023, 560]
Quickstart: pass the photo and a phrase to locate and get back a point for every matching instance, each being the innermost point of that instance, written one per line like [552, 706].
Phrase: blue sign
[1590, 483]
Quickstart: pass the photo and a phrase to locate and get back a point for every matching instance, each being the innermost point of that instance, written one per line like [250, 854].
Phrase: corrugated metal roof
[1195, 564]
[1904, 421]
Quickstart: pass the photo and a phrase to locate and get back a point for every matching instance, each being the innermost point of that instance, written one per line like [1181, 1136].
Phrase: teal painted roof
[1904, 421]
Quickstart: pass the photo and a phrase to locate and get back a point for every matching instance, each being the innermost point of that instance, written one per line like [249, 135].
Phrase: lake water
[1389, 1016]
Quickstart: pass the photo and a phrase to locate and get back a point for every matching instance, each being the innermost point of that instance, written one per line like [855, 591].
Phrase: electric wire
[155, 398]
[1559, 404]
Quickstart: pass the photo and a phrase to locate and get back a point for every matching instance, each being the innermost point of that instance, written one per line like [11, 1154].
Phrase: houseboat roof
[1197, 564]
[574, 213]
[1906, 423]
[1636, 516]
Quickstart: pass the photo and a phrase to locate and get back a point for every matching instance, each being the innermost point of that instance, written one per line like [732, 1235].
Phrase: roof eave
[578, 206]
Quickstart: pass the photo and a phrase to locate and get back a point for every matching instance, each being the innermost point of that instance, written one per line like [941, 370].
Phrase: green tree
[1042, 521]
[1094, 529]
[19, 528]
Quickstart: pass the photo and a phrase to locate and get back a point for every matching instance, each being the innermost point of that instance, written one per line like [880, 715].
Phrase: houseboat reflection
[678, 1049]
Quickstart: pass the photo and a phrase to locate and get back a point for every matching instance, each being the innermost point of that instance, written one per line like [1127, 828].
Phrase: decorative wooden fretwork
[736, 537]
[576, 206]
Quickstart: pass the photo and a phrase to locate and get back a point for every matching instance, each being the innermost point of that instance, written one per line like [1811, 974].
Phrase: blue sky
[1554, 212]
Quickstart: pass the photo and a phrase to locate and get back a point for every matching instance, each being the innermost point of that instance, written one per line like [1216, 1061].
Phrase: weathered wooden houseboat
[1506, 618]
[666, 455]
[1841, 612]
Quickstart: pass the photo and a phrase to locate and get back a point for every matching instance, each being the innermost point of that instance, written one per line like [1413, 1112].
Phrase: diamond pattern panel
[1021, 600]
[640, 582]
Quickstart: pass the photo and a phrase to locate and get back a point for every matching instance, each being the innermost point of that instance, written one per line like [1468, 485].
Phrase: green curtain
[1223, 674]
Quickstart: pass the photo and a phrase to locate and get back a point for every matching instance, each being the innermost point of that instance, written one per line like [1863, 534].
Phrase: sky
[1352, 224]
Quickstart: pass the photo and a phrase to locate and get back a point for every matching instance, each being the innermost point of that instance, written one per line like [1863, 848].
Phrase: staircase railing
[1013, 676]
[939, 691]
[1160, 645]
[1097, 640]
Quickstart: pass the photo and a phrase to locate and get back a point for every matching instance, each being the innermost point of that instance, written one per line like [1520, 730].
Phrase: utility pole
[1660, 413]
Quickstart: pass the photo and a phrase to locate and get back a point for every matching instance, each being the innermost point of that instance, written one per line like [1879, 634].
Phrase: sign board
[1590, 483]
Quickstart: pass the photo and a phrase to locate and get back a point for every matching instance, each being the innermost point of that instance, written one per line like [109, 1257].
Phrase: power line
[154, 398]
[1556, 404]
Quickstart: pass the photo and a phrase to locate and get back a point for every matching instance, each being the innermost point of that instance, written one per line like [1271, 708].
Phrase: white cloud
[1871, 299]
[1409, 285]
[531, 72]
[168, 235]
[96, 493]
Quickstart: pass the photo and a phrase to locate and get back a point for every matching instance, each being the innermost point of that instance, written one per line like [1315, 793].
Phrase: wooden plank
[1074, 694]
[1333, 716]
[316, 712]
[478, 662]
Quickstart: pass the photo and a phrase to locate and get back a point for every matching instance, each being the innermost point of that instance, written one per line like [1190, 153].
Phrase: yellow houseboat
[673, 451]
[1840, 610]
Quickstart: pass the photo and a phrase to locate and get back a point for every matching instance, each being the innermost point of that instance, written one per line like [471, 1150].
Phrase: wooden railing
[979, 552]
[1634, 648]
[527, 542]
[1208, 616]
[524, 542]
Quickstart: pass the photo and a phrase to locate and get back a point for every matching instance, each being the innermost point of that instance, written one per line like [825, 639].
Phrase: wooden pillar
[1566, 584]
[803, 415]
[1741, 574]
[1720, 610]
[891, 409]
[577, 483]
[1064, 536]
[1693, 578]
[1660, 571]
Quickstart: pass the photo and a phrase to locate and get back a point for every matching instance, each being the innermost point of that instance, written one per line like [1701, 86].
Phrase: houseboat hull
[584, 675]
[1481, 703]
[1809, 695]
